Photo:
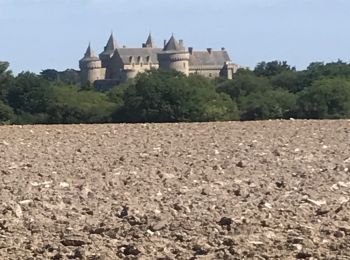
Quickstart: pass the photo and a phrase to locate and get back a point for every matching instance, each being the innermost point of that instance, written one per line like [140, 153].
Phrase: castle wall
[124, 72]
[226, 73]
[129, 74]
[209, 73]
[140, 68]
[227, 70]
[106, 63]
[130, 71]
[116, 67]
[91, 75]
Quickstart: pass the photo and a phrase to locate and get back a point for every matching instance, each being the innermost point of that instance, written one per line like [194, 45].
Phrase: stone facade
[119, 64]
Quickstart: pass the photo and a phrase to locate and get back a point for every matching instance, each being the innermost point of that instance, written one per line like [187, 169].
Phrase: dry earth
[258, 190]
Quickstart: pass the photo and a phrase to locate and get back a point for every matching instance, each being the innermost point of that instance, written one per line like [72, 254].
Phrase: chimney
[124, 46]
[209, 50]
[181, 43]
[190, 50]
[144, 45]
[164, 43]
[223, 48]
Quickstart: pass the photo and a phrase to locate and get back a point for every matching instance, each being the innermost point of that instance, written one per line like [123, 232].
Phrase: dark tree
[326, 98]
[273, 68]
[162, 96]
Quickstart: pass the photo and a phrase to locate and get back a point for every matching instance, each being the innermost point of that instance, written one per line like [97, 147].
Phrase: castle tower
[174, 56]
[90, 67]
[228, 70]
[108, 51]
[149, 42]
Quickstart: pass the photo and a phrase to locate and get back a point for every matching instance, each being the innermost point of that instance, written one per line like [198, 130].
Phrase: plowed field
[255, 190]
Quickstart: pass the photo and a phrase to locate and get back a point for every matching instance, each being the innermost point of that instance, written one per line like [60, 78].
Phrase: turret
[108, 51]
[174, 56]
[149, 43]
[91, 67]
[228, 70]
[107, 55]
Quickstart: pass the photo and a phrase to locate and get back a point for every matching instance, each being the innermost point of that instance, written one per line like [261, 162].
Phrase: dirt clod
[129, 250]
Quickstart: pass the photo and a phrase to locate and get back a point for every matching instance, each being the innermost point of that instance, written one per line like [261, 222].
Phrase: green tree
[318, 70]
[326, 98]
[7, 115]
[30, 93]
[116, 94]
[50, 75]
[243, 84]
[6, 79]
[273, 68]
[162, 96]
[272, 104]
[289, 80]
[213, 106]
[72, 105]
[67, 77]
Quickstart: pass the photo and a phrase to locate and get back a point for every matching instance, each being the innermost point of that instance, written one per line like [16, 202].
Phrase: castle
[116, 65]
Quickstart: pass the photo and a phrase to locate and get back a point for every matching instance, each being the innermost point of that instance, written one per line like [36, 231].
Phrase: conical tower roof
[89, 54]
[111, 44]
[110, 47]
[172, 45]
[149, 42]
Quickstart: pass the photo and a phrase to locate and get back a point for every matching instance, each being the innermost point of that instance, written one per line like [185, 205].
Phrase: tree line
[272, 90]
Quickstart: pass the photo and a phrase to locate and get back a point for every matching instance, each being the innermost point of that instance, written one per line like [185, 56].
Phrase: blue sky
[40, 34]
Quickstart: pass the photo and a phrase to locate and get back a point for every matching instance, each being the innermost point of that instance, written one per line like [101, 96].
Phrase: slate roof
[204, 58]
[150, 42]
[110, 47]
[197, 58]
[111, 44]
[172, 45]
[89, 55]
[135, 53]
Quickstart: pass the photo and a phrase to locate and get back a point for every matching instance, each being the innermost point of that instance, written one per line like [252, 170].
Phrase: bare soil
[255, 190]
